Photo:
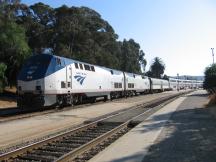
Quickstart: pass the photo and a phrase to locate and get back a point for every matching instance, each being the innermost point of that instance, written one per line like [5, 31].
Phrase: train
[50, 80]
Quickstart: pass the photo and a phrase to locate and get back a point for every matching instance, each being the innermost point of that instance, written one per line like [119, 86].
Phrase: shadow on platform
[189, 136]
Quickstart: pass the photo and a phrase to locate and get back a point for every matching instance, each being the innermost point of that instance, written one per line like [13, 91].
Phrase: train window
[130, 85]
[81, 66]
[76, 66]
[92, 68]
[120, 85]
[58, 61]
[87, 67]
[63, 85]
[111, 72]
[115, 85]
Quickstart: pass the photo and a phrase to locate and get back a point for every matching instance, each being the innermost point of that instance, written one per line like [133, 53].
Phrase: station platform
[181, 131]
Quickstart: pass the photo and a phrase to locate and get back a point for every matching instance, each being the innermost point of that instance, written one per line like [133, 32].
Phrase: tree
[3, 79]
[142, 60]
[13, 45]
[210, 77]
[165, 77]
[84, 35]
[149, 74]
[157, 67]
[13, 48]
[131, 56]
[38, 21]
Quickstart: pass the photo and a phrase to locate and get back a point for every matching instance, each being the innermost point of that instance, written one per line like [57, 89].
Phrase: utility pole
[178, 82]
[212, 54]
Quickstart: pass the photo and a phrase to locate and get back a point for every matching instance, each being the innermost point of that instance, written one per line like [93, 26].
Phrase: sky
[180, 32]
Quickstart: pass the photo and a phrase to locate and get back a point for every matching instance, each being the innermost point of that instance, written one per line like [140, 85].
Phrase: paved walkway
[189, 136]
[183, 131]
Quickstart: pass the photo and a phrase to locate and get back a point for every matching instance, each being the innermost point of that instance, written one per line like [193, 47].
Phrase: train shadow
[13, 111]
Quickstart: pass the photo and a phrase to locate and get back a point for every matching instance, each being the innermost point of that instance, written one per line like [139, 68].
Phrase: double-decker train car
[47, 80]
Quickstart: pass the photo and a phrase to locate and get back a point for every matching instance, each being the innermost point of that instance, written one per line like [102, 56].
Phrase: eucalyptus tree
[132, 56]
[82, 34]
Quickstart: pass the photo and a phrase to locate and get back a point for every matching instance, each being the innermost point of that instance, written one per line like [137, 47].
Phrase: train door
[151, 86]
[69, 77]
[162, 86]
[125, 83]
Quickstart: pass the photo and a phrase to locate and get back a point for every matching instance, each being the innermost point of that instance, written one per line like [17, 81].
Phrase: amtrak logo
[79, 78]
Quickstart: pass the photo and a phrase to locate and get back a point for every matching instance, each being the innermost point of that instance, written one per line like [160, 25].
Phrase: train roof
[70, 61]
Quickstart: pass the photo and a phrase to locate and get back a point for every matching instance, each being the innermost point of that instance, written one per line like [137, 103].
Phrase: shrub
[210, 77]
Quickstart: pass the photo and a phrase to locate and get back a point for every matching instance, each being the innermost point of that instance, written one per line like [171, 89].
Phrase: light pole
[212, 54]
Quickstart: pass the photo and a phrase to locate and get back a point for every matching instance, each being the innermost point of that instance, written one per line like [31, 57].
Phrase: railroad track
[9, 114]
[66, 145]
[84, 142]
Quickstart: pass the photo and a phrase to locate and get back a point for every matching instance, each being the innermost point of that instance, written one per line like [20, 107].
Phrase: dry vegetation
[212, 104]
[10, 90]
[6, 102]
[212, 100]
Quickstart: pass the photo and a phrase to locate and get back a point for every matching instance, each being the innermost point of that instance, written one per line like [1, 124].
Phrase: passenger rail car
[47, 80]
[173, 83]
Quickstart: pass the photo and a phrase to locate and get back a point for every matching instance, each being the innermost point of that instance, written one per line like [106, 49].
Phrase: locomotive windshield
[35, 67]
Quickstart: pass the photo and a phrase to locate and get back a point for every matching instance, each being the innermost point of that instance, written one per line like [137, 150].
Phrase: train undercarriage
[30, 100]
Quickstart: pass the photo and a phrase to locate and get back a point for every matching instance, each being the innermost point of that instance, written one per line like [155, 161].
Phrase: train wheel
[60, 101]
[70, 100]
[80, 99]
[75, 99]
[93, 99]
